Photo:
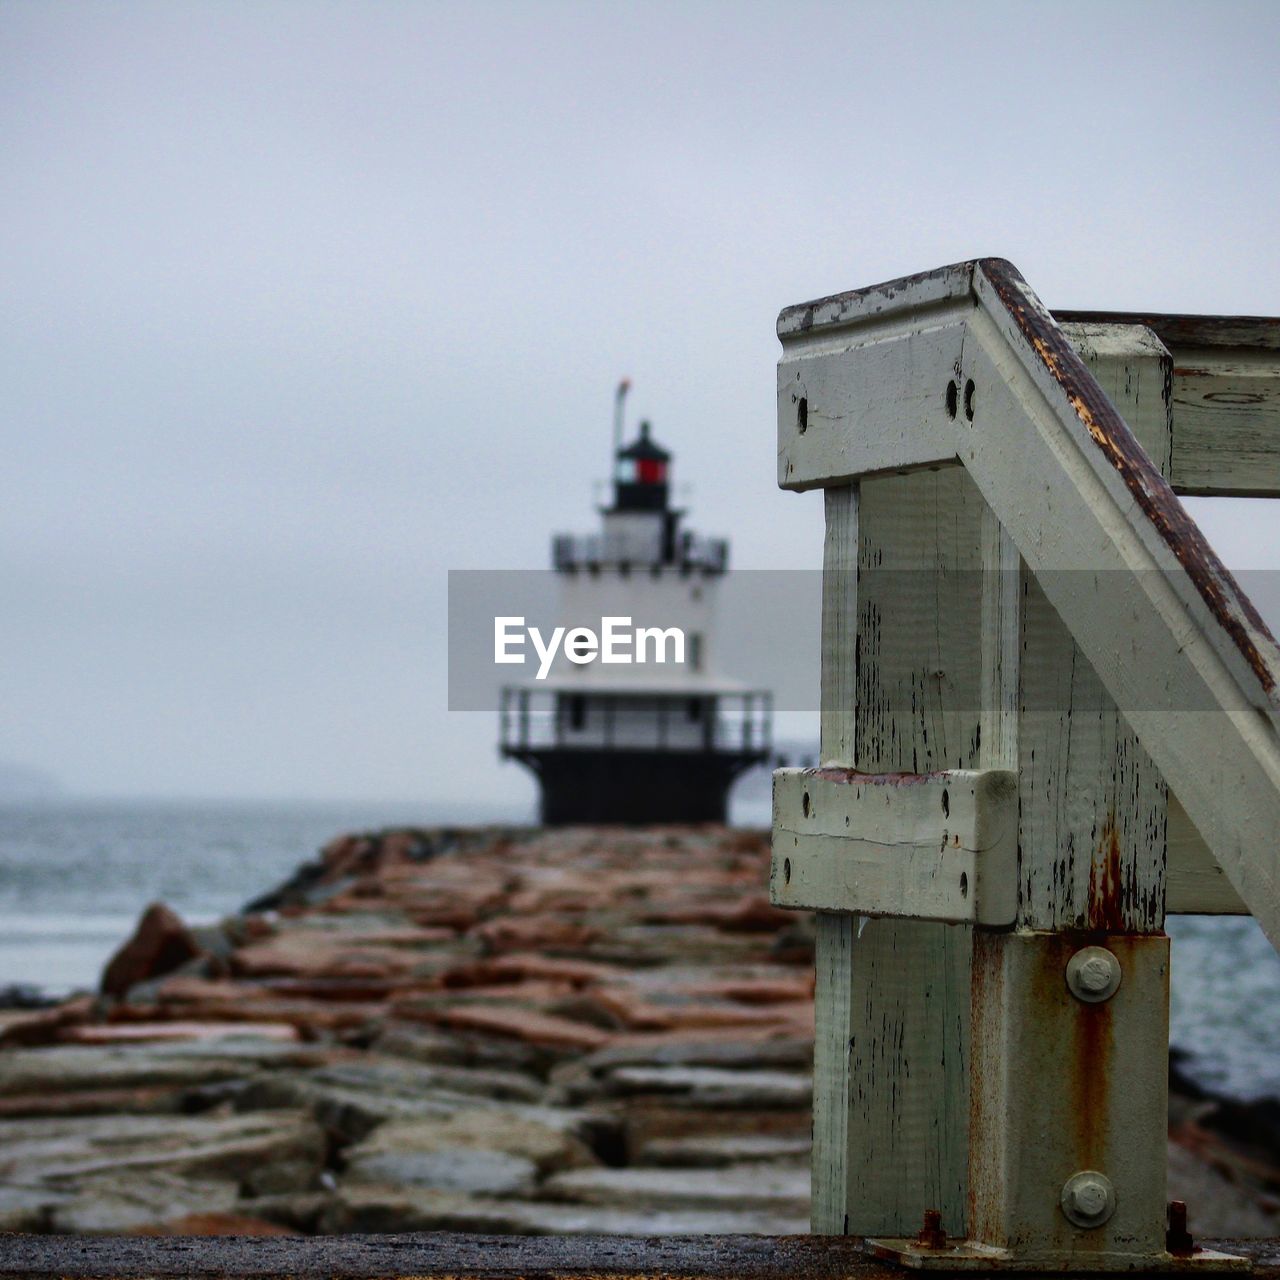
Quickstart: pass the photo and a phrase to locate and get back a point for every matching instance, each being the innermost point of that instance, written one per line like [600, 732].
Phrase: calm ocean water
[74, 876]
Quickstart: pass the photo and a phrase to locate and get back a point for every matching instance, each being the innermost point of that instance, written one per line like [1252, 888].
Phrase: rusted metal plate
[964, 1256]
[1069, 1080]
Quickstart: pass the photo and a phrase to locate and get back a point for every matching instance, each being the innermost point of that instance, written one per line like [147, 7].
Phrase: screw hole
[802, 414]
[804, 804]
[953, 396]
[964, 884]
[968, 399]
[786, 871]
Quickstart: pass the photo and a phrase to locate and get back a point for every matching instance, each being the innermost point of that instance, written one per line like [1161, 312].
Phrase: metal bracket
[969, 1255]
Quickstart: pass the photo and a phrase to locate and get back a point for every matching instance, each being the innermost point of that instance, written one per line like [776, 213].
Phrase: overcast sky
[307, 304]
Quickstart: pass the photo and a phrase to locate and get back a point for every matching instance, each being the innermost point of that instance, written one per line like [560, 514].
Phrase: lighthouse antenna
[619, 399]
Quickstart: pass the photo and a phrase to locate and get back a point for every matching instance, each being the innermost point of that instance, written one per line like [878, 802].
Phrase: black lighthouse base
[592, 786]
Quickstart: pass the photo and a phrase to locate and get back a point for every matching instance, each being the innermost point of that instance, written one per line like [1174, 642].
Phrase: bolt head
[1088, 1198]
[1093, 974]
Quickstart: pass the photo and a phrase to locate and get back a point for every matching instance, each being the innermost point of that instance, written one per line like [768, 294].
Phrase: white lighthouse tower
[641, 741]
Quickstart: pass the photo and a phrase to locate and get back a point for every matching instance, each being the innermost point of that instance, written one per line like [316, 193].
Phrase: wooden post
[891, 1091]
[833, 944]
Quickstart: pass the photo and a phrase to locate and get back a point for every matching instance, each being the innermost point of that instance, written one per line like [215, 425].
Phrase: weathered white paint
[1222, 402]
[831, 426]
[1093, 811]
[1000, 637]
[839, 625]
[1180, 654]
[1093, 806]
[940, 846]
[1177, 676]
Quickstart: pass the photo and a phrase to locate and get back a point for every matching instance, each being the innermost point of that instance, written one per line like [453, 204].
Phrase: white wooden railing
[1020, 776]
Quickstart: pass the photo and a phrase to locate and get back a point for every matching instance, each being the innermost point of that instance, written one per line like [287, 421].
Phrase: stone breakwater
[488, 1030]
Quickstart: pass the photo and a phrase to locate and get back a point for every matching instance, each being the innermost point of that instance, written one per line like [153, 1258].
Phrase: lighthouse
[659, 733]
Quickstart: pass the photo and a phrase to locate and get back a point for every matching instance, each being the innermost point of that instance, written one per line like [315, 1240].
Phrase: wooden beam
[939, 846]
[1094, 807]
[891, 1003]
[833, 943]
[1225, 396]
[1255, 333]
[1194, 883]
[892, 412]
[1226, 416]
[1135, 370]
[1222, 385]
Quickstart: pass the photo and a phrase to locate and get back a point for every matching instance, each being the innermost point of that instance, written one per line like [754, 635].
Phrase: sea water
[75, 875]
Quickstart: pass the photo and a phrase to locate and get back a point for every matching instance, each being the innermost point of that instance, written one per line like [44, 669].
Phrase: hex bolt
[932, 1236]
[1093, 975]
[1088, 1198]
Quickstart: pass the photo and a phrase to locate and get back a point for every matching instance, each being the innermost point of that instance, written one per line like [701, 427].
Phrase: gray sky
[308, 304]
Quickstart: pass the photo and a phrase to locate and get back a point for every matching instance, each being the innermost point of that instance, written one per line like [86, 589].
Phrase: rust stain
[1089, 1058]
[1219, 590]
[1107, 881]
[1091, 1075]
